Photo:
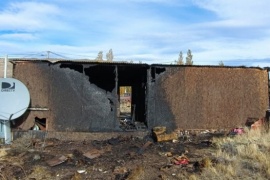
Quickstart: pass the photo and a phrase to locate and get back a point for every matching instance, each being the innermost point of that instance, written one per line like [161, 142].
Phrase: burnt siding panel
[36, 77]
[99, 108]
[159, 110]
[201, 97]
[79, 105]
[66, 100]
[100, 98]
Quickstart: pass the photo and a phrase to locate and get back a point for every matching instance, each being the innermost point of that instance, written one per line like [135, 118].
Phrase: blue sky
[153, 31]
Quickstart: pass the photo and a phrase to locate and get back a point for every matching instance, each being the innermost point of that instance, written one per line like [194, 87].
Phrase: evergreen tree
[221, 63]
[109, 55]
[180, 59]
[189, 58]
[100, 56]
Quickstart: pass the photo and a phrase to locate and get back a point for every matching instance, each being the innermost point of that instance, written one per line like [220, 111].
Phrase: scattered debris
[57, 160]
[126, 123]
[180, 160]
[205, 132]
[168, 154]
[250, 121]
[166, 137]
[257, 125]
[114, 158]
[236, 131]
[93, 153]
[81, 171]
[159, 130]
[161, 135]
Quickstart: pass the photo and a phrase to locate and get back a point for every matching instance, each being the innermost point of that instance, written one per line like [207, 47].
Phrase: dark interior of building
[136, 77]
[107, 77]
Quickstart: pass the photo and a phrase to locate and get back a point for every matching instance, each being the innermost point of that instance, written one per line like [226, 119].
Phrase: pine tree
[221, 63]
[100, 56]
[109, 55]
[189, 58]
[180, 59]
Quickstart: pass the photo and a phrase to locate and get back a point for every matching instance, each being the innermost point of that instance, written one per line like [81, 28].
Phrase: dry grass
[23, 143]
[244, 156]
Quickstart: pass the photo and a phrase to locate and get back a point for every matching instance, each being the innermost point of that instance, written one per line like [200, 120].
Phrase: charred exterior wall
[206, 97]
[74, 102]
[83, 96]
[36, 76]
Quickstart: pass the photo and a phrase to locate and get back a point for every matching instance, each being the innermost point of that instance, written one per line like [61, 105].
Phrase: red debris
[239, 131]
[180, 160]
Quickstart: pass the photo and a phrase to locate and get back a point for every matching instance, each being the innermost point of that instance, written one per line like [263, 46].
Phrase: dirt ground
[116, 158]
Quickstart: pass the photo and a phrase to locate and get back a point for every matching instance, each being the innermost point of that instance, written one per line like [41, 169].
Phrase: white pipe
[7, 132]
[5, 70]
[6, 124]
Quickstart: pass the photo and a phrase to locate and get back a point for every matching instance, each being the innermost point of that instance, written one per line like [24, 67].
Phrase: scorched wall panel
[74, 103]
[207, 97]
[36, 77]
[78, 104]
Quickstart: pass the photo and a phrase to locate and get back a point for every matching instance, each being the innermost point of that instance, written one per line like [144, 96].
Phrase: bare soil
[116, 158]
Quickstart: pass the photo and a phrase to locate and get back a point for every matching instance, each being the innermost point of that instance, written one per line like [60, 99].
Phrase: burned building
[83, 96]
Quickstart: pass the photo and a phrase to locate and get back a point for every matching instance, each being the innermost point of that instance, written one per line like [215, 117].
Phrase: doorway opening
[132, 82]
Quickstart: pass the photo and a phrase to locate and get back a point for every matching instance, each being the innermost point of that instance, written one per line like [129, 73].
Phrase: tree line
[109, 56]
[179, 61]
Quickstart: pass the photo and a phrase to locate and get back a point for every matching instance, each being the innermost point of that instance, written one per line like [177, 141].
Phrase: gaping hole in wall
[40, 124]
[76, 67]
[154, 71]
[133, 79]
[160, 70]
[102, 76]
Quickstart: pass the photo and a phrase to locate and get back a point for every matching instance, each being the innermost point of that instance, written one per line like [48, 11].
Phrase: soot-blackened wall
[206, 97]
[76, 101]
[84, 96]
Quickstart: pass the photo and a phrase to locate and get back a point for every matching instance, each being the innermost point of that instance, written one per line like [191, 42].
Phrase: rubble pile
[115, 158]
[159, 155]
